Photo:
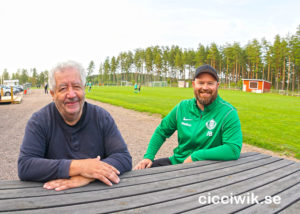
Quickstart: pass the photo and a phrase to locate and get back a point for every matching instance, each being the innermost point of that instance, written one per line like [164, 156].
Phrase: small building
[183, 84]
[11, 82]
[256, 85]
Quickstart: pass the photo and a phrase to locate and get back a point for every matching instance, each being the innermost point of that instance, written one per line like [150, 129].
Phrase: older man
[70, 143]
[208, 127]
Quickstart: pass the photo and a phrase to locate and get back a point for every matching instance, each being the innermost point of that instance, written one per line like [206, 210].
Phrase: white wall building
[11, 82]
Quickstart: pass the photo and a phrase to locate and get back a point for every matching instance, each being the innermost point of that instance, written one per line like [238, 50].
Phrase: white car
[6, 90]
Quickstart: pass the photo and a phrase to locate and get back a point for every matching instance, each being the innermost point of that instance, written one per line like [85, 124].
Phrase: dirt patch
[136, 128]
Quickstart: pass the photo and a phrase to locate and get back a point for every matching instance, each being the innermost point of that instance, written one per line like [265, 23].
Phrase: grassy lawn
[270, 121]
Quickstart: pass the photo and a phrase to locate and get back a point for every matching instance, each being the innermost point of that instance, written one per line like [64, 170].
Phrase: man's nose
[205, 86]
[71, 92]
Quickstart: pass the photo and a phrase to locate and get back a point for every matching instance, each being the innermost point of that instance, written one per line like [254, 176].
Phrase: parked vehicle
[16, 89]
[20, 87]
[7, 90]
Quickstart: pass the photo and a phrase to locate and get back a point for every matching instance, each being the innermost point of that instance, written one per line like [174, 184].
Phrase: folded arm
[32, 164]
[231, 142]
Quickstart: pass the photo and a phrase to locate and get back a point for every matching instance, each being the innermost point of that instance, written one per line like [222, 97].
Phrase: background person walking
[46, 88]
[90, 86]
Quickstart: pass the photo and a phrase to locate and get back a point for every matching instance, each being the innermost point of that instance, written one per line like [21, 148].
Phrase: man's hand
[146, 163]
[188, 160]
[62, 184]
[94, 168]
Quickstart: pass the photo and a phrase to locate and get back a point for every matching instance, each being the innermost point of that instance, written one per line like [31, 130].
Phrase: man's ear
[52, 93]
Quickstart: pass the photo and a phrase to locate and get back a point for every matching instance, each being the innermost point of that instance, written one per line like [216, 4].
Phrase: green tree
[173, 62]
[229, 57]
[238, 60]
[179, 63]
[16, 76]
[295, 58]
[254, 57]
[284, 54]
[149, 62]
[90, 70]
[157, 61]
[200, 56]
[125, 60]
[34, 78]
[101, 74]
[106, 68]
[138, 62]
[24, 77]
[128, 64]
[113, 68]
[42, 78]
[277, 58]
[121, 59]
[213, 54]
[188, 58]
[165, 61]
[267, 57]
[5, 74]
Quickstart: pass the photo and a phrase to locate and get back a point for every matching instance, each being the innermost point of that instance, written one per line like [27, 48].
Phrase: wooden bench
[171, 189]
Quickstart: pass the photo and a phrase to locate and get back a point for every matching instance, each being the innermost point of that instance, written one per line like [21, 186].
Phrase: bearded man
[208, 127]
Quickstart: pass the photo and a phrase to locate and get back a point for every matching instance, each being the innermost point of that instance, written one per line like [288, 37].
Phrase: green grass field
[269, 121]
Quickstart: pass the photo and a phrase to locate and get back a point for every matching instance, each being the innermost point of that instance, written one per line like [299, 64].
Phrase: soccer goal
[158, 84]
[126, 83]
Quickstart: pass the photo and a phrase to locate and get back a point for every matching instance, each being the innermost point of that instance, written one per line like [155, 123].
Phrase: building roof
[258, 80]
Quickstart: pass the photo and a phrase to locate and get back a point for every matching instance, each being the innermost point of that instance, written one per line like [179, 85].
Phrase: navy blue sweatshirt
[50, 144]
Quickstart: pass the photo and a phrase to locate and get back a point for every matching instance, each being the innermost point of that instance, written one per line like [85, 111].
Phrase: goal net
[126, 83]
[158, 84]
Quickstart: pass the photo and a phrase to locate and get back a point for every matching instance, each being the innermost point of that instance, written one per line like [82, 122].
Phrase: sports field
[269, 121]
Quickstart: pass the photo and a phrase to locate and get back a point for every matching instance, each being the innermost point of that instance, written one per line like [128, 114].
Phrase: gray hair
[63, 65]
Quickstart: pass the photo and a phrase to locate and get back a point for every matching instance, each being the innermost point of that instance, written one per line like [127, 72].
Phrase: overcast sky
[40, 33]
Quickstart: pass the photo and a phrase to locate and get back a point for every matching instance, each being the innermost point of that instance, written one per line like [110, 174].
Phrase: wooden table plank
[142, 179]
[127, 196]
[270, 189]
[152, 171]
[27, 184]
[245, 184]
[167, 189]
[292, 209]
[288, 196]
[7, 184]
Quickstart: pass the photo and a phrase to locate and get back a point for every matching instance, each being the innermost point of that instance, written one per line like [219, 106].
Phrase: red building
[256, 85]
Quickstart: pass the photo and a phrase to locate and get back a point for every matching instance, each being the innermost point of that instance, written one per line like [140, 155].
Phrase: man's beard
[206, 100]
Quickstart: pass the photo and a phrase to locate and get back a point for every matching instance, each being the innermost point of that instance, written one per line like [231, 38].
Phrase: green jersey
[212, 134]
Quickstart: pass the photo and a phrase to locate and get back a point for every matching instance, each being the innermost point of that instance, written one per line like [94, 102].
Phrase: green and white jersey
[212, 134]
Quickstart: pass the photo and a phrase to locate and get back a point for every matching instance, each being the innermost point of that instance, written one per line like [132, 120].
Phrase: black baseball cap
[206, 69]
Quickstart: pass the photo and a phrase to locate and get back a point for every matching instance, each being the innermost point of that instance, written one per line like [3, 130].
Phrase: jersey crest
[211, 124]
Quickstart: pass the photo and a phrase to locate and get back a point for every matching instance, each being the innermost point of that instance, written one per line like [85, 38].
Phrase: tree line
[24, 76]
[277, 62]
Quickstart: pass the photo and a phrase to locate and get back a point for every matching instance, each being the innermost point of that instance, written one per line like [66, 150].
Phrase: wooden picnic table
[172, 189]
